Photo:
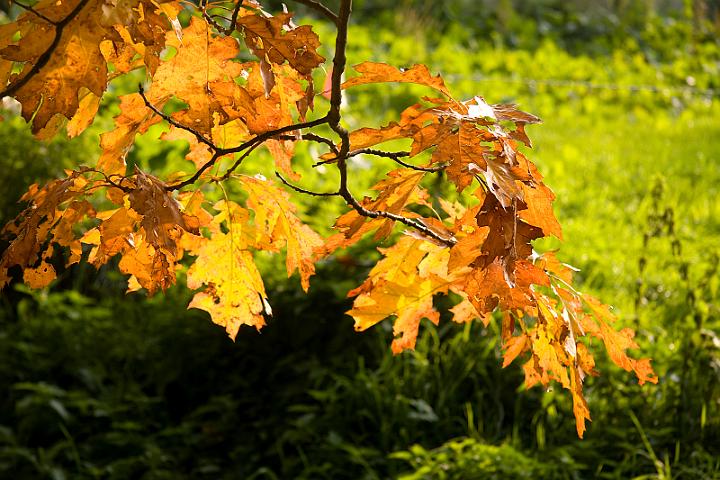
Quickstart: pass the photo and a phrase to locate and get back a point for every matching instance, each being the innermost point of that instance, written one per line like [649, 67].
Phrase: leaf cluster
[234, 78]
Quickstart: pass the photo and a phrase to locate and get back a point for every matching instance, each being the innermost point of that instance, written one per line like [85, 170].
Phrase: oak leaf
[234, 294]
[371, 72]
[277, 40]
[277, 224]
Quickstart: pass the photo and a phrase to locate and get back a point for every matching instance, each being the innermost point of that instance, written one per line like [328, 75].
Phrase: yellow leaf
[276, 222]
[39, 277]
[234, 293]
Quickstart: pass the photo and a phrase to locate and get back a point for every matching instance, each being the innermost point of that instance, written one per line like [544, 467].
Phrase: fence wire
[687, 90]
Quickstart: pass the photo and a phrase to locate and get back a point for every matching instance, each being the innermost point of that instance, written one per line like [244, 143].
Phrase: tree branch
[219, 151]
[236, 12]
[307, 192]
[201, 138]
[32, 10]
[317, 6]
[237, 163]
[253, 143]
[310, 137]
[334, 122]
[395, 156]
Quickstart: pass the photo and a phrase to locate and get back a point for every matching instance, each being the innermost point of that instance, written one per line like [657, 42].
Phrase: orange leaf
[371, 72]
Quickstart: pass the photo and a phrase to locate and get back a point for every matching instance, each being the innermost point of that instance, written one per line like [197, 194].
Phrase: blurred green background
[99, 384]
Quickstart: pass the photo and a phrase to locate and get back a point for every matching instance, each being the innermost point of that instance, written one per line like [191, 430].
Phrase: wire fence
[686, 90]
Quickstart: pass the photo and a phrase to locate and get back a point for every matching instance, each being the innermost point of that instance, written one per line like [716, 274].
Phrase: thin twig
[109, 180]
[232, 21]
[315, 5]
[237, 163]
[32, 10]
[273, 133]
[252, 144]
[395, 156]
[307, 192]
[313, 138]
[45, 57]
[201, 138]
[209, 19]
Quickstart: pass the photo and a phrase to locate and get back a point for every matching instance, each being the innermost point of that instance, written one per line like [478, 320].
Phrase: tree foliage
[232, 78]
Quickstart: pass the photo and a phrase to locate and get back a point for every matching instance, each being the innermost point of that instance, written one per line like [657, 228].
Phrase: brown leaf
[273, 39]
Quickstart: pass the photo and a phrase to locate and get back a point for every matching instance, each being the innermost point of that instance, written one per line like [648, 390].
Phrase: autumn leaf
[32, 227]
[134, 118]
[68, 56]
[234, 295]
[402, 287]
[371, 72]
[277, 224]
[194, 84]
[275, 39]
[514, 347]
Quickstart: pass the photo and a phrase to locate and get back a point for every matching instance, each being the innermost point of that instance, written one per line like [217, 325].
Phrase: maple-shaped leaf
[272, 107]
[465, 311]
[513, 347]
[142, 31]
[371, 72]
[277, 40]
[508, 238]
[134, 118]
[511, 113]
[403, 284]
[193, 83]
[234, 292]
[411, 121]
[617, 342]
[145, 231]
[487, 287]
[538, 211]
[277, 225]
[463, 148]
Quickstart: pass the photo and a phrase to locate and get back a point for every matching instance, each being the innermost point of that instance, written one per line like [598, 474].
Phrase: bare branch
[395, 156]
[317, 6]
[32, 10]
[201, 138]
[307, 192]
[238, 162]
